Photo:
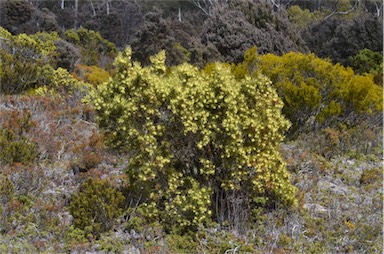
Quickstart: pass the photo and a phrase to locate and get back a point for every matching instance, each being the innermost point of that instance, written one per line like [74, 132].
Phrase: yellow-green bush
[31, 61]
[23, 60]
[95, 207]
[194, 134]
[313, 89]
[62, 84]
[301, 18]
[91, 74]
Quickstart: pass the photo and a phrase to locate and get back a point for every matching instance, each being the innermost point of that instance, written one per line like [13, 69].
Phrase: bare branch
[379, 7]
[336, 12]
[206, 6]
[205, 9]
[277, 5]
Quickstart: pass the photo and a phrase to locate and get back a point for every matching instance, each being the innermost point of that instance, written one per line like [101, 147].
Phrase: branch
[207, 5]
[378, 8]
[336, 12]
[197, 3]
[275, 4]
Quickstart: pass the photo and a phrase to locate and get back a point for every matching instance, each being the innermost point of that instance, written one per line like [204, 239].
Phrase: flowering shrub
[194, 136]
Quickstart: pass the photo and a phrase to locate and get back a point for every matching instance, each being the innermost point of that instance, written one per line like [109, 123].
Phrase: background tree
[21, 16]
[179, 39]
[94, 49]
[14, 14]
[234, 27]
[340, 39]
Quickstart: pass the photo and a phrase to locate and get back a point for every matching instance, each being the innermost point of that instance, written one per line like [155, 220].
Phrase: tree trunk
[76, 11]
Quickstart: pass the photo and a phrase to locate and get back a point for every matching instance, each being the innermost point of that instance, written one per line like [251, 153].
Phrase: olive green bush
[202, 144]
[95, 207]
[16, 150]
[15, 146]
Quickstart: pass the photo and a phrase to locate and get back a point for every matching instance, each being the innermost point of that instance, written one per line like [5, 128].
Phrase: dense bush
[15, 13]
[202, 143]
[91, 74]
[366, 60]
[25, 60]
[339, 38]
[234, 27]
[315, 91]
[95, 207]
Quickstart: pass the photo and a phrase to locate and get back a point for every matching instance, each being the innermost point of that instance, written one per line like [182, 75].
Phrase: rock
[328, 186]
[316, 209]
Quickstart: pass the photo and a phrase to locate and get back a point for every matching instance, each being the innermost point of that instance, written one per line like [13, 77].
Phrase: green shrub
[371, 178]
[366, 61]
[12, 150]
[15, 146]
[195, 135]
[24, 60]
[7, 192]
[6, 189]
[95, 207]
[180, 244]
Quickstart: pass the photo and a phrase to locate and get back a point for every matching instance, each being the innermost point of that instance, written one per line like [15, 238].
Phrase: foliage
[193, 134]
[25, 60]
[19, 16]
[371, 178]
[235, 27]
[62, 84]
[68, 55]
[91, 74]
[95, 207]
[89, 153]
[13, 150]
[340, 39]
[299, 17]
[29, 62]
[15, 146]
[180, 40]
[94, 49]
[337, 168]
[180, 244]
[314, 90]
[367, 61]
[15, 13]
[7, 190]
